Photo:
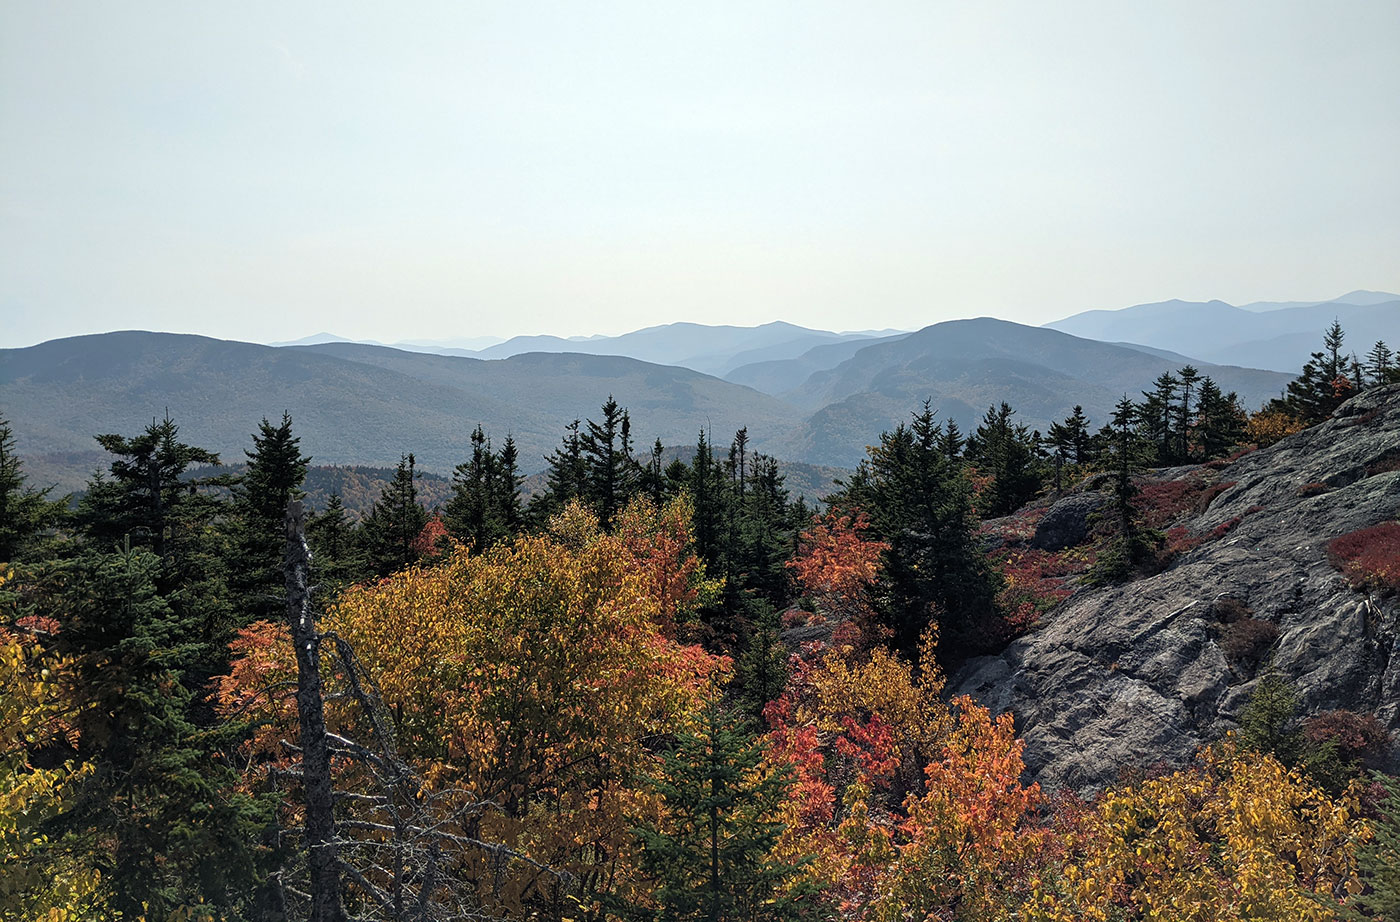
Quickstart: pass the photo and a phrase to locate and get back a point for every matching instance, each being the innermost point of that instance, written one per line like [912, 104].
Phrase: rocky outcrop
[1138, 674]
[1067, 522]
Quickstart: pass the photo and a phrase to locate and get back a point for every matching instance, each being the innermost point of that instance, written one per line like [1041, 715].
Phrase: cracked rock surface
[1136, 675]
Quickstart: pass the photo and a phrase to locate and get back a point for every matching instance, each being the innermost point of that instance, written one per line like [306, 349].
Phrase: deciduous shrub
[1357, 737]
[1267, 427]
[1247, 640]
[1370, 557]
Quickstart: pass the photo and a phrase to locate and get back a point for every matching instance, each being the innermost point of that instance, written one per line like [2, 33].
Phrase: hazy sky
[263, 171]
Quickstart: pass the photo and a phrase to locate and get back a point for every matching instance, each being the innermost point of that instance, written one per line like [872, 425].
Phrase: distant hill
[777, 376]
[701, 347]
[362, 405]
[353, 404]
[963, 366]
[1274, 335]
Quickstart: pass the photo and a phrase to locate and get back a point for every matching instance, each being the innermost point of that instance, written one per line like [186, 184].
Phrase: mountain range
[362, 404]
[1274, 335]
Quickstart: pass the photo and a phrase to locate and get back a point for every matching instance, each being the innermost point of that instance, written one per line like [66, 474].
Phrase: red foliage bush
[1162, 503]
[1359, 737]
[1246, 640]
[1370, 557]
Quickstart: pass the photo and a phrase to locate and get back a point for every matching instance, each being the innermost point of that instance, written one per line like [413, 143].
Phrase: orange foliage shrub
[1267, 427]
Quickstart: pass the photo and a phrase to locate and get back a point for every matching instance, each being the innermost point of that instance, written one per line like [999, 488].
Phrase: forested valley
[659, 690]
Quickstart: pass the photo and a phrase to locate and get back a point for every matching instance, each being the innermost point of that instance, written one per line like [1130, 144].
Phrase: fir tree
[1155, 417]
[712, 852]
[1188, 377]
[1081, 439]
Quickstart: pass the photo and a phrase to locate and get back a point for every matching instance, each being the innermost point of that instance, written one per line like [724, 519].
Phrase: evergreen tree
[611, 473]
[25, 513]
[1081, 439]
[506, 493]
[1123, 449]
[1155, 417]
[1188, 377]
[712, 852]
[705, 481]
[335, 551]
[276, 471]
[652, 481]
[952, 441]
[148, 500]
[1220, 421]
[1380, 365]
[479, 511]
[1006, 451]
[1378, 860]
[761, 672]
[920, 501]
[565, 477]
[1061, 446]
[388, 532]
[161, 806]
[1323, 384]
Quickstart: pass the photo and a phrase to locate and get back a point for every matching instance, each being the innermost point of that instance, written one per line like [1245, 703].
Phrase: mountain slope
[352, 404]
[963, 366]
[1135, 674]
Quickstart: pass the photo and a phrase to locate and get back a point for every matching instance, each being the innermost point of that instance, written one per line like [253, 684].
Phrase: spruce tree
[25, 513]
[1380, 365]
[275, 474]
[1005, 451]
[711, 854]
[610, 473]
[920, 501]
[1123, 450]
[388, 532]
[1323, 384]
[337, 556]
[566, 476]
[161, 806]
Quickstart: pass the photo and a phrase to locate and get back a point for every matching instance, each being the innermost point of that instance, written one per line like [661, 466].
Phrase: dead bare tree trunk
[316, 754]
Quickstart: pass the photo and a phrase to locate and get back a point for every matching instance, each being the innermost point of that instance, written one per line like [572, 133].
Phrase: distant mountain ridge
[357, 404]
[1273, 335]
[352, 404]
[710, 349]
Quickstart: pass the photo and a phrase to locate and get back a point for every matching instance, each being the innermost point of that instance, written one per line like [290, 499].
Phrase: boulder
[1066, 523]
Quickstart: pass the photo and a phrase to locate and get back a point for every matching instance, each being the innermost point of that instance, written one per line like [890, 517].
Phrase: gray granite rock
[1066, 523]
[1134, 675]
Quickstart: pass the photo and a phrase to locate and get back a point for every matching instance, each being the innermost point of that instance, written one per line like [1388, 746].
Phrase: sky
[435, 170]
